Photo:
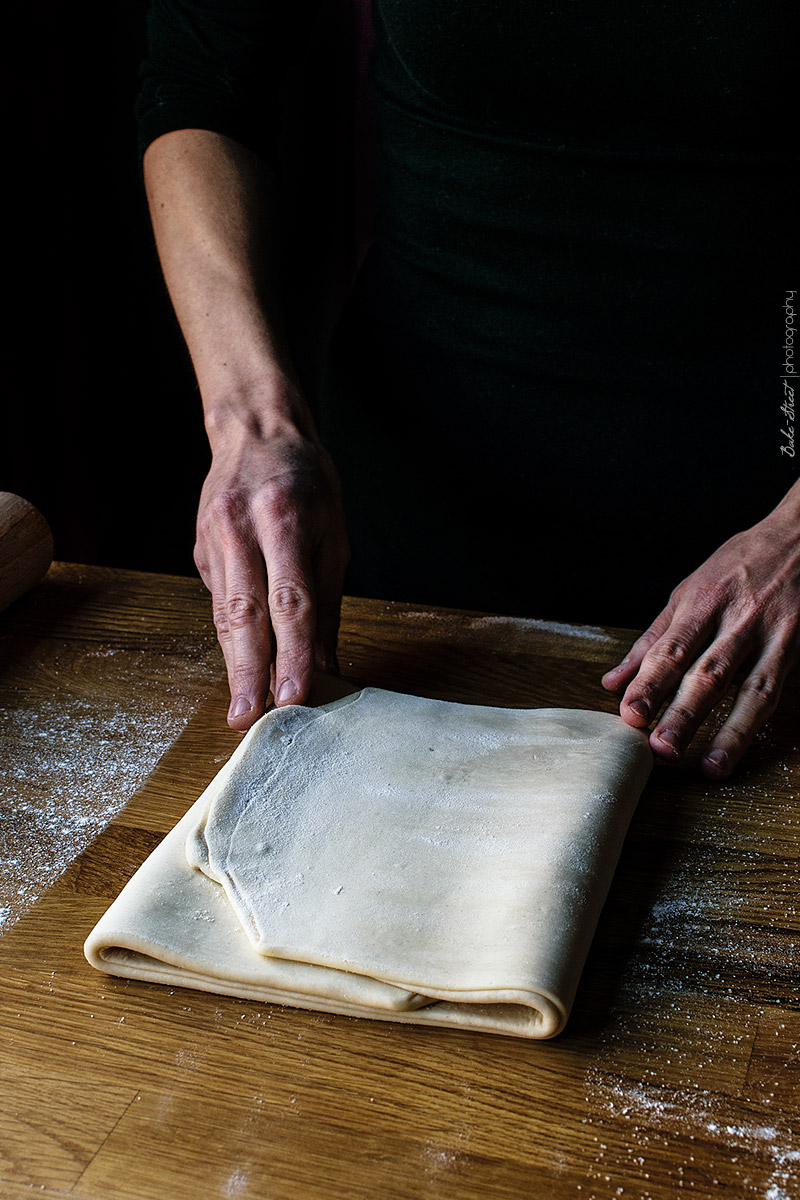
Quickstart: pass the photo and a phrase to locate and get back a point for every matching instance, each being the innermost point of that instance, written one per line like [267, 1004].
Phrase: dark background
[101, 423]
[102, 427]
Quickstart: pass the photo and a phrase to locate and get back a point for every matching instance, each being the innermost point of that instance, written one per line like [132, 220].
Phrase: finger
[619, 676]
[246, 702]
[665, 664]
[757, 699]
[242, 620]
[292, 604]
[702, 687]
[241, 616]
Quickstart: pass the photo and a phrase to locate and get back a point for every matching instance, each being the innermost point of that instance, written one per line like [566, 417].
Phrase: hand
[272, 549]
[737, 614]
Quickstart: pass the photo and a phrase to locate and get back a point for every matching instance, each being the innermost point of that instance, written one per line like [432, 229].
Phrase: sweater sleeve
[217, 65]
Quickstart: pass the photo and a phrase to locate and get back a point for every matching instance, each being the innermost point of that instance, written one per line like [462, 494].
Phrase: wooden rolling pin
[26, 547]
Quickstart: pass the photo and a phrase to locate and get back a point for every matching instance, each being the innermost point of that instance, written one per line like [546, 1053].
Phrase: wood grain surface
[679, 1071]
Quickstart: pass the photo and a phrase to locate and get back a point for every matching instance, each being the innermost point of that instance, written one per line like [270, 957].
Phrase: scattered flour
[763, 1158]
[589, 633]
[238, 1183]
[708, 942]
[77, 760]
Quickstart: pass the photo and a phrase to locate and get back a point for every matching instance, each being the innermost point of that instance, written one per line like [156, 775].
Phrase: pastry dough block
[391, 856]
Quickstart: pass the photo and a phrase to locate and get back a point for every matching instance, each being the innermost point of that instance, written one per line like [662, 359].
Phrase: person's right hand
[272, 549]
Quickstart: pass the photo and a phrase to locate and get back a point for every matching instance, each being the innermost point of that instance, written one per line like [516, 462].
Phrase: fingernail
[642, 709]
[240, 707]
[717, 759]
[286, 691]
[671, 739]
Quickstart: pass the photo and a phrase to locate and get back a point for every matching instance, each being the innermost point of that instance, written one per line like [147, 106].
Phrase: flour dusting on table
[591, 633]
[710, 938]
[78, 758]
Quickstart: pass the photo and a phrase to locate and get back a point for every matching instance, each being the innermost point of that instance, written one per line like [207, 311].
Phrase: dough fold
[395, 857]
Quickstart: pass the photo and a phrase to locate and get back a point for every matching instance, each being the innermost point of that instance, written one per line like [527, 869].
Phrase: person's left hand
[737, 615]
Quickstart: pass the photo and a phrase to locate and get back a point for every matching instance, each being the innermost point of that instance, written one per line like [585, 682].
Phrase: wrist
[262, 410]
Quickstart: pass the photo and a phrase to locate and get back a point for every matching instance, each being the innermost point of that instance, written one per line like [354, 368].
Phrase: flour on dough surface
[452, 850]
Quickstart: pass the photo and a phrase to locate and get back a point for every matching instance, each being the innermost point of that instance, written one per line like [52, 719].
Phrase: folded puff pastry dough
[395, 857]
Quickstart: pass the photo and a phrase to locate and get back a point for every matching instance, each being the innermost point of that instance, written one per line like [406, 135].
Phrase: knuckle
[673, 652]
[221, 622]
[713, 673]
[763, 688]
[276, 502]
[289, 601]
[241, 611]
[225, 508]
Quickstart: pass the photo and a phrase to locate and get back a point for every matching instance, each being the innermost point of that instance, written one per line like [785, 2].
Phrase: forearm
[271, 542]
[212, 212]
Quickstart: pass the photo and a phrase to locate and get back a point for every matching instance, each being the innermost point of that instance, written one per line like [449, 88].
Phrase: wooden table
[678, 1072]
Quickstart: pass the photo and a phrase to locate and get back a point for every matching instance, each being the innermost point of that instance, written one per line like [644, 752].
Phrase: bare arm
[271, 544]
